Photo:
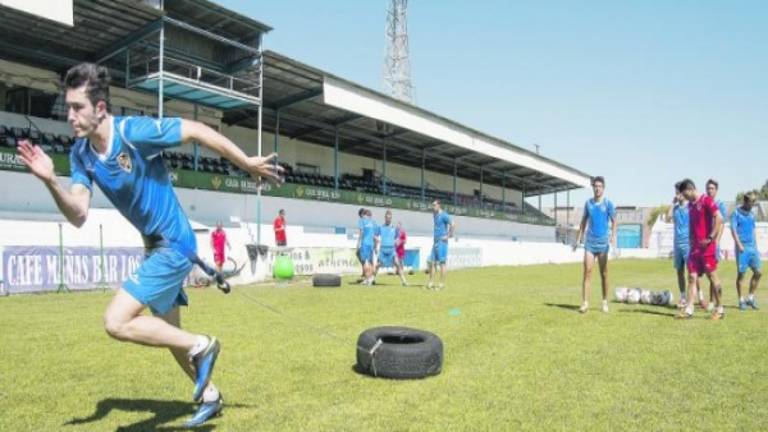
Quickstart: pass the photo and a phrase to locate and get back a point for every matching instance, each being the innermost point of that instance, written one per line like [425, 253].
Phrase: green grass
[518, 357]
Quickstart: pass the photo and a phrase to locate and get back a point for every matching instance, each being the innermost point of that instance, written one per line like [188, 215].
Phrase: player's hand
[705, 242]
[39, 163]
[445, 238]
[741, 247]
[266, 168]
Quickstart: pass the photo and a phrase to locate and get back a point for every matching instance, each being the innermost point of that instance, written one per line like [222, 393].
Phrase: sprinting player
[747, 255]
[360, 215]
[402, 238]
[218, 241]
[598, 213]
[281, 239]
[119, 154]
[388, 234]
[678, 214]
[705, 222]
[444, 228]
[366, 244]
[712, 188]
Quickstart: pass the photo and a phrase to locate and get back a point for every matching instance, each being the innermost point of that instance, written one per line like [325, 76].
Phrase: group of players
[698, 220]
[384, 246]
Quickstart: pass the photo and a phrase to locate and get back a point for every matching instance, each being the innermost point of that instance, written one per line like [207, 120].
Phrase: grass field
[517, 357]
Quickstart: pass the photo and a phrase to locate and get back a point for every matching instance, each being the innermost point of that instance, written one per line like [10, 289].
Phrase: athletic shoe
[682, 303]
[605, 306]
[753, 303]
[430, 285]
[584, 308]
[205, 412]
[204, 362]
[743, 305]
[716, 316]
[405, 284]
[683, 315]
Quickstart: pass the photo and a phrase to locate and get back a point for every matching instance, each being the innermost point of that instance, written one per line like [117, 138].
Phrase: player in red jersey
[705, 223]
[218, 241]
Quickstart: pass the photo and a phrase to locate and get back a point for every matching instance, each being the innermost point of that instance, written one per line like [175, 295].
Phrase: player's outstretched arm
[73, 203]
[258, 167]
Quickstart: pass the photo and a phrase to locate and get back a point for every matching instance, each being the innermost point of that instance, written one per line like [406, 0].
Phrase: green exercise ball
[283, 268]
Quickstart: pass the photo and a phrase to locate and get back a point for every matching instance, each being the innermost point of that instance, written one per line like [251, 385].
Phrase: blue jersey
[723, 210]
[387, 235]
[682, 227]
[367, 231]
[599, 214]
[743, 223]
[442, 221]
[134, 178]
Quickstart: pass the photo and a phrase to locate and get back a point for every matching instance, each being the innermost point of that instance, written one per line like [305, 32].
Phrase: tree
[655, 213]
[762, 193]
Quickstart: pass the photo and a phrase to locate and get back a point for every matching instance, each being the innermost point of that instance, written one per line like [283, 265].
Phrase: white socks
[211, 394]
[199, 346]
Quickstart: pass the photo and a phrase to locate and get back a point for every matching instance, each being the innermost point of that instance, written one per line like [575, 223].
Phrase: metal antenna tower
[397, 64]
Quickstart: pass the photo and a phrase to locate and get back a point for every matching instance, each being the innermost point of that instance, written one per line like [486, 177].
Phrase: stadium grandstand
[343, 145]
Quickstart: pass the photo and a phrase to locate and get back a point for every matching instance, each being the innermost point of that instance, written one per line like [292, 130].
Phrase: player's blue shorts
[749, 259]
[387, 257]
[439, 252]
[596, 248]
[366, 253]
[158, 283]
[681, 257]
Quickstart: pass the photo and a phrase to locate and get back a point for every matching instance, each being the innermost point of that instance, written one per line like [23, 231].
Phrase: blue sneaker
[205, 412]
[743, 305]
[753, 303]
[204, 363]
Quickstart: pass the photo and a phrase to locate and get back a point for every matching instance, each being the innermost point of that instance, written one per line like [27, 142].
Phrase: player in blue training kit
[599, 222]
[747, 255]
[678, 214]
[122, 156]
[712, 189]
[444, 228]
[388, 235]
[366, 245]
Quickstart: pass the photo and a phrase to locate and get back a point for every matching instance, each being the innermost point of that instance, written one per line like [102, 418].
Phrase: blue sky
[642, 92]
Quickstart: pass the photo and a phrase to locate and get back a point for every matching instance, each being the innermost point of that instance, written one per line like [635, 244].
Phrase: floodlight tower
[397, 64]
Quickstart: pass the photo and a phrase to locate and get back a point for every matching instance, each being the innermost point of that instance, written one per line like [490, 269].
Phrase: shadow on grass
[164, 412]
[649, 312]
[570, 307]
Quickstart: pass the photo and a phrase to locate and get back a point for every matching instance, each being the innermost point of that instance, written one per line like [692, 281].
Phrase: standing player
[444, 228]
[366, 244]
[218, 241]
[598, 212]
[678, 214]
[712, 188]
[279, 226]
[705, 222]
[747, 255]
[119, 154]
[402, 238]
[387, 235]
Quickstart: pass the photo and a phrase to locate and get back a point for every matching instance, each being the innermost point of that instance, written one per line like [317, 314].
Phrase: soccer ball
[633, 297]
[645, 297]
[621, 294]
[666, 298]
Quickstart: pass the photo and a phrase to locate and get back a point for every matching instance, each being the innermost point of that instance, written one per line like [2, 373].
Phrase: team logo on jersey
[216, 182]
[124, 160]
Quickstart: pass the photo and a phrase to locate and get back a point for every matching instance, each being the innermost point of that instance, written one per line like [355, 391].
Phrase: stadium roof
[313, 104]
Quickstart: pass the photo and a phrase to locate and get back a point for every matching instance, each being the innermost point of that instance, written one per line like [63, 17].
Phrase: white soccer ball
[667, 298]
[633, 297]
[621, 294]
[645, 297]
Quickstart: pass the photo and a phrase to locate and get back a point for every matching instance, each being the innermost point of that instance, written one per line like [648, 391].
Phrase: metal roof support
[214, 36]
[503, 192]
[481, 186]
[160, 85]
[555, 215]
[423, 168]
[196, 147]
[297, 99]
[336, 159]
[455, 174]
[276, 145]
[259, 132]
[384, 168]
[125, 43]
[567, 216]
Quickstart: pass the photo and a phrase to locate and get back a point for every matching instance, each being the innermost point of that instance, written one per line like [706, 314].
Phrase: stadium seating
[52, 143]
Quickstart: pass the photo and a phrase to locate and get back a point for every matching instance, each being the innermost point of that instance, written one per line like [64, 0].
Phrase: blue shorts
[681, 257]
[366, 253]
[439, 253]
[749, 259]
[597, 248]
[387, 257]
[158, 283]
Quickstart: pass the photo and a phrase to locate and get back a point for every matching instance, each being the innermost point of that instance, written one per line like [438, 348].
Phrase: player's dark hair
[677, 186]
[714, 183]
[281, 211]
[361, 212]
[95, 79]
[598, 179]
[685, 184]
[437, 201]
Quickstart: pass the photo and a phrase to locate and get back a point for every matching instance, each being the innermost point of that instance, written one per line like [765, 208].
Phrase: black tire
[399, 352]
[326, 280]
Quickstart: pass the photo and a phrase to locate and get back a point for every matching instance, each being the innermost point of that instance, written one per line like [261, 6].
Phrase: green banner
[233, 184]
